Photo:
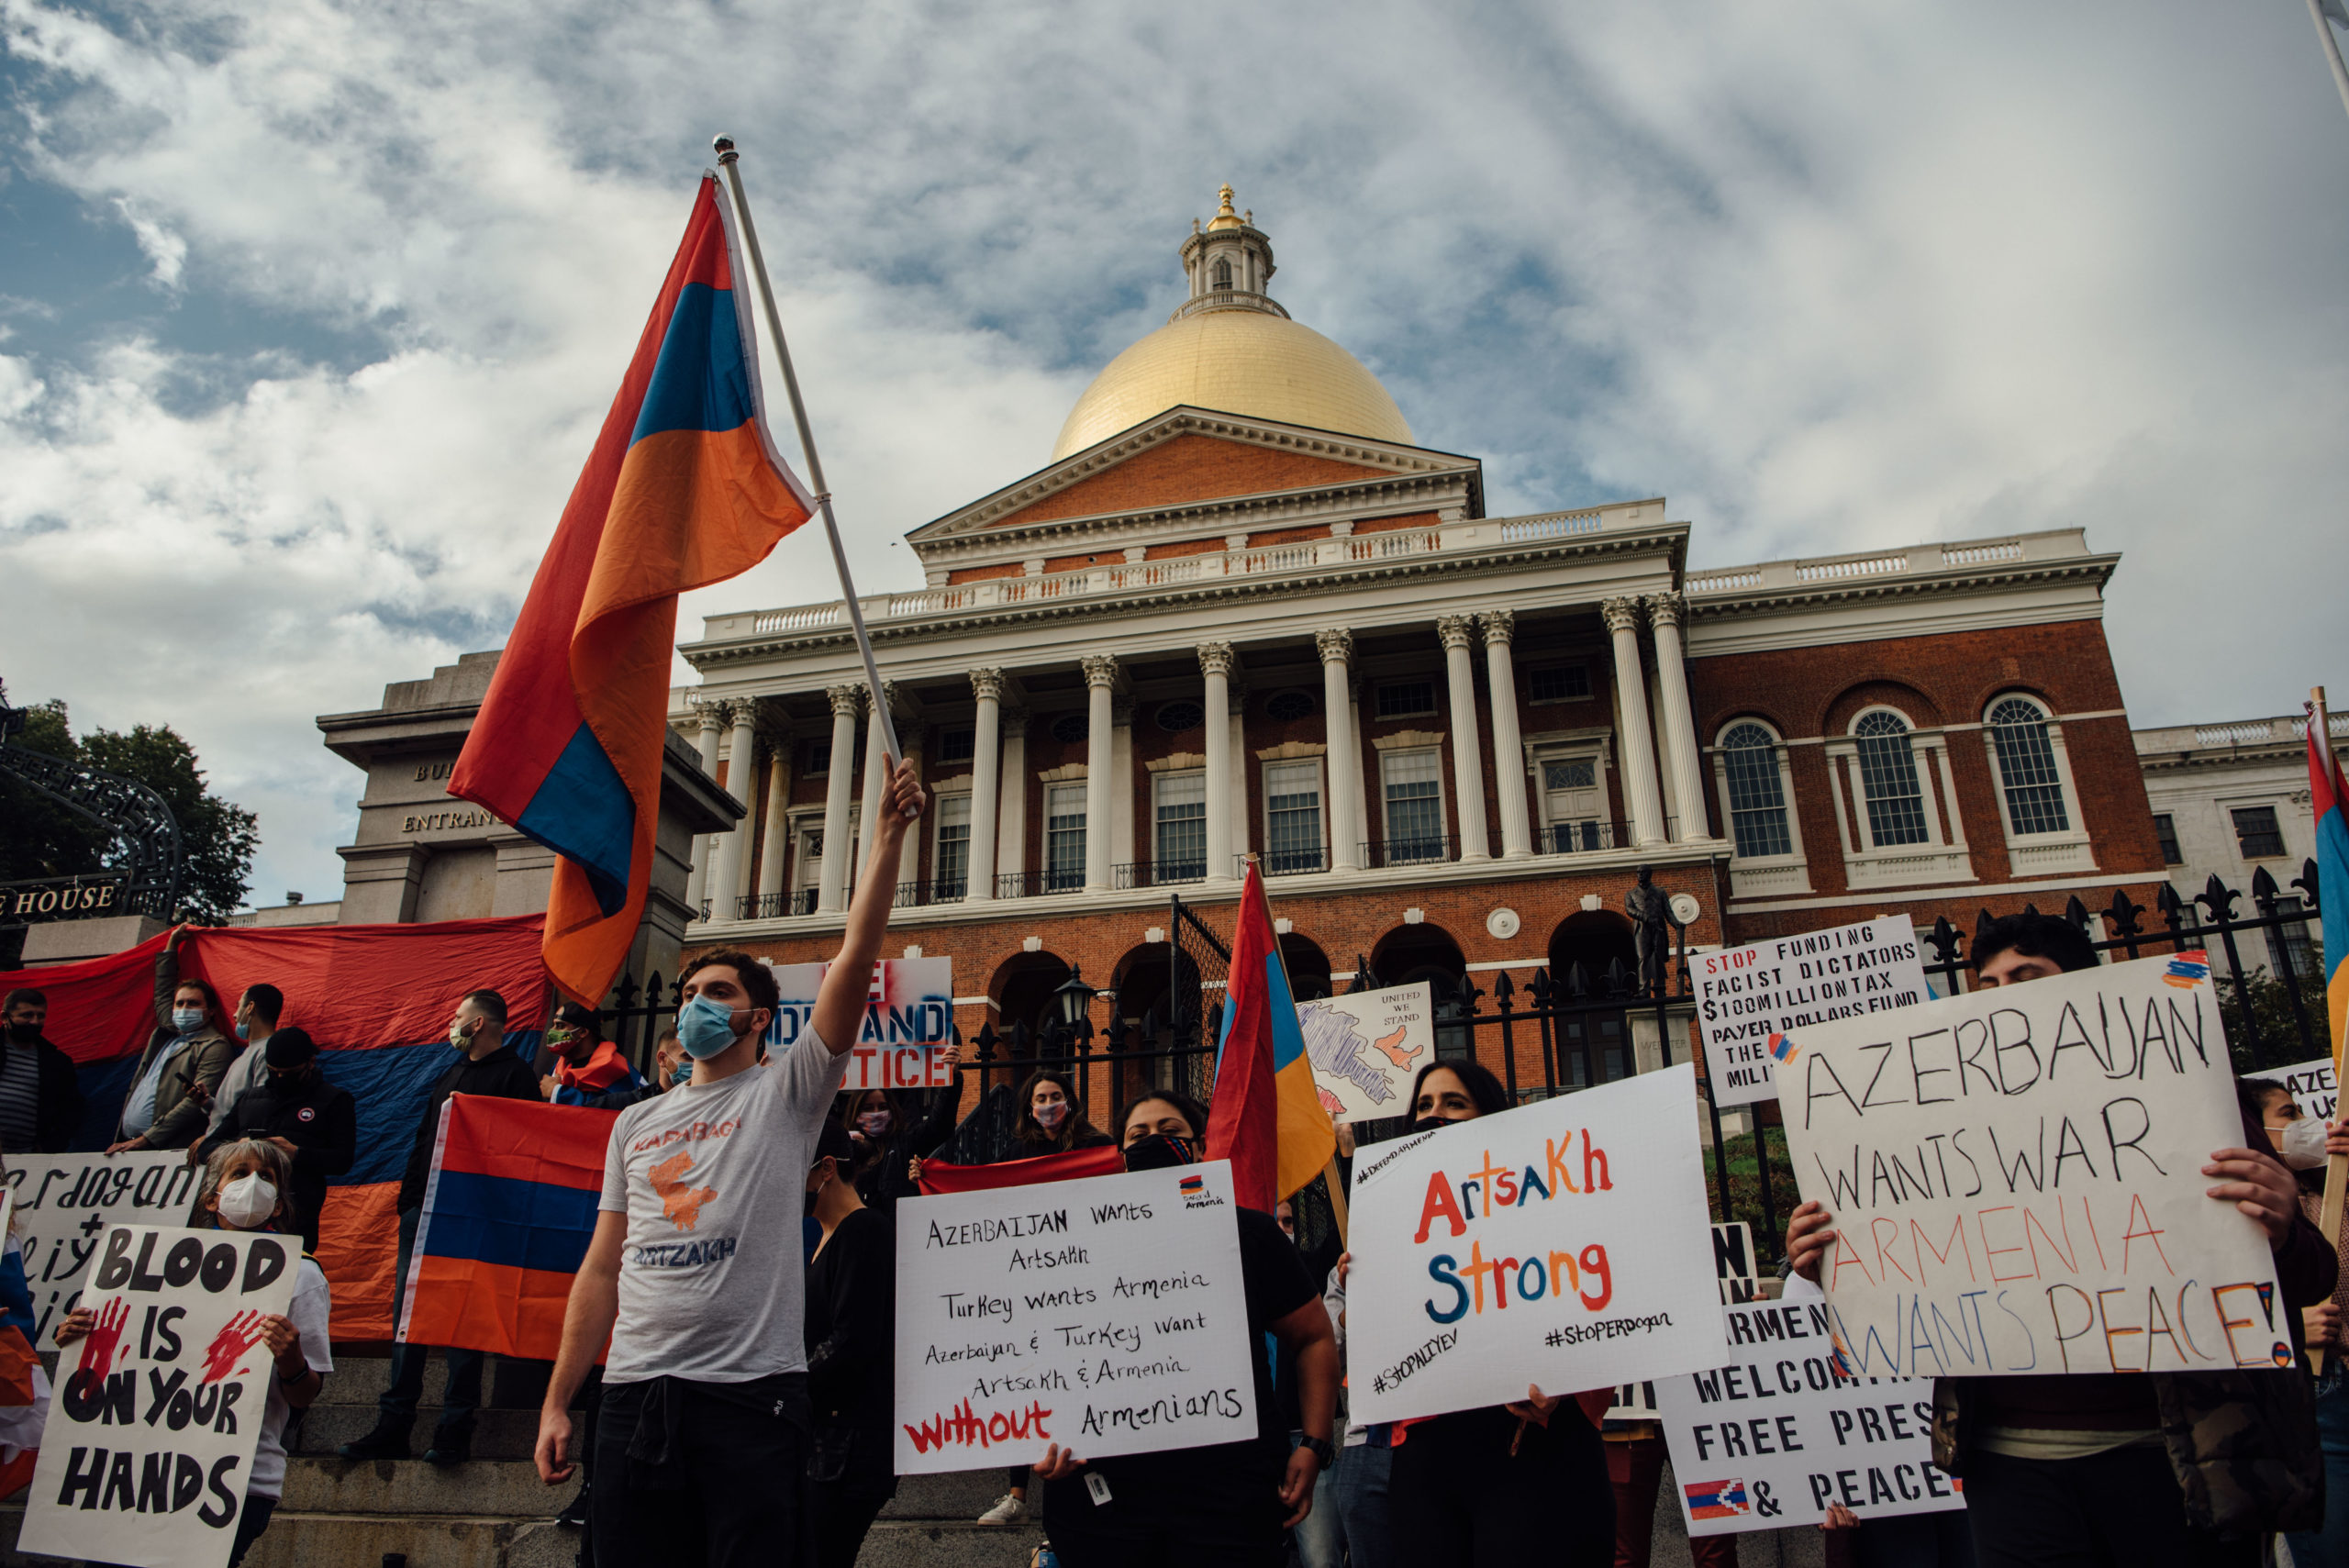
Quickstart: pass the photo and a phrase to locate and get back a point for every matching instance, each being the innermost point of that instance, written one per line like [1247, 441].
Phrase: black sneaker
[575, 1513]
[383, 1442]
[450, 1447]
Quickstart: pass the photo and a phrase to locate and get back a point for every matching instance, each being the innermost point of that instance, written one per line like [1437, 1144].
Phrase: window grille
[1414, 782]
[1181, 826]
[1403, 699]
[1560, 682]
[1064, 838]
[952, 870]
[1757, 800]
[2027, 768]
[2257, 833]
[1889, 781]
[2165, 831]
[1293, 813]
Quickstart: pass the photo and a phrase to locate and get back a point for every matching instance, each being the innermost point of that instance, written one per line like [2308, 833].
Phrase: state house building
[1241, 610]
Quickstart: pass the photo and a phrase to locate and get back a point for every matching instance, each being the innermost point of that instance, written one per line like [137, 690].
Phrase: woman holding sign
[1511, 1483]
[247, 1186]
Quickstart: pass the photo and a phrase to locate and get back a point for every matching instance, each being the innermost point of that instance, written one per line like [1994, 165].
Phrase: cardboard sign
[908, 1021]
[1563, 1243]
[1733, 1271]
[1746, 996]
[2312, 1087]
[2016, 1179]
[65, 1201]
[151, 1432]
[1104, 1314]
[1774, 1435]
[1367, 1046]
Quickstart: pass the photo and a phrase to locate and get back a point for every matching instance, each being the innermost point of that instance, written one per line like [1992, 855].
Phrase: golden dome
[1235, 362]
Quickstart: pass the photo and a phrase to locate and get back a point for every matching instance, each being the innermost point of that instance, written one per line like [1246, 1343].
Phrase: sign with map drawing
[1367, 1046]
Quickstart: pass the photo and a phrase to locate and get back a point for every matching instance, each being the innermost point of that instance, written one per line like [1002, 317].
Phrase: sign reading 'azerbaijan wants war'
[2016, 1179]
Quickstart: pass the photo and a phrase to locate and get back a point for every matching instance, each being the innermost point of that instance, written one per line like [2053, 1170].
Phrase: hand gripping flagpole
[728, 159]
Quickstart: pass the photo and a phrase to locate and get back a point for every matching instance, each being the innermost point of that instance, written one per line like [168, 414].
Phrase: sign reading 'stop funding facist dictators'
[1748, 997]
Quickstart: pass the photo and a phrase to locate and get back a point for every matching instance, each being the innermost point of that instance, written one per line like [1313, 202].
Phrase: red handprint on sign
[106, 1338]
[236, 1336]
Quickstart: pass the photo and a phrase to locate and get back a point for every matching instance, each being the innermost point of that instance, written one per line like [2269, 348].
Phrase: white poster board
[908, 1021]
[150, 1433]
[1773, 1436]
[65, 1201]
[1745, 996]
[1106, 1315]
[1563, 1243]
[1367, 1046]
[2016, 1179]
[1733, 1271]
[2312, 1086]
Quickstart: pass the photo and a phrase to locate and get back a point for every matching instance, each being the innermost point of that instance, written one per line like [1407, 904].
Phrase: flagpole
[1331, 1176]
[728, 159]
[2336, 1167]
[2332, 54]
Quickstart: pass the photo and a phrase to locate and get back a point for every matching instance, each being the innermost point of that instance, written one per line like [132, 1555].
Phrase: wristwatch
[1321, 1449]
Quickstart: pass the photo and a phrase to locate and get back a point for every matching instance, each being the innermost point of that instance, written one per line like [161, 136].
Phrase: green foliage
[40, 837]
[1745, 1187]
[2282, 1038]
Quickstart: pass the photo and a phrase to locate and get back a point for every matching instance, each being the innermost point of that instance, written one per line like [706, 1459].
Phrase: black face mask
[1430, 1124]
[1160, 1152]
[24, 1034]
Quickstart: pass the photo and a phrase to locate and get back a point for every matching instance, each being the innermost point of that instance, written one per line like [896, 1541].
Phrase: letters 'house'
[1242, 610]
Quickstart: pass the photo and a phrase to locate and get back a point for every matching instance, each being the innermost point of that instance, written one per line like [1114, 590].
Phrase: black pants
[841, 1519]
[743, 1473]
[1183, 1509]
[2122, 1509]
[1460, 1499]
[462, 1395]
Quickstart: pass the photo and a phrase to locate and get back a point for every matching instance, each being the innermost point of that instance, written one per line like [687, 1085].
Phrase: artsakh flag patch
[1716, 1499]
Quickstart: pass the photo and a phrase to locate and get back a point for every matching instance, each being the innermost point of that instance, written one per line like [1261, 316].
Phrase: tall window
[1064, 838]
[950, 870]
[1414, 782]
[2166, 832]
[2257, 833]
[1182, 841]
[1888, 780]
[2027, 767]
[1292, 816]
[2288, 946]
[1757, 800]
[1570, 804]
[808, 868]
[1223, 274]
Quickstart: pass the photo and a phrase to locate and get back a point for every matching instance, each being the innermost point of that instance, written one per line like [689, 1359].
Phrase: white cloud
[1829, 274]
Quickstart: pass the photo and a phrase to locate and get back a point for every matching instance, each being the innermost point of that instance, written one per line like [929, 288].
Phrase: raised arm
[839, 1004]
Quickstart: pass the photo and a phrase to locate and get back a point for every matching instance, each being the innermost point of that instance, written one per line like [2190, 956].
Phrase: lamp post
[1073, 1005]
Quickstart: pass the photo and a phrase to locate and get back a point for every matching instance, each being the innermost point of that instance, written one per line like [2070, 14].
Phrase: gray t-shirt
[713, 1182]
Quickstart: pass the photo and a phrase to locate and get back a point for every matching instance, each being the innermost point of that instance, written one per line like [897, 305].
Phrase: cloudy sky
[309, 311]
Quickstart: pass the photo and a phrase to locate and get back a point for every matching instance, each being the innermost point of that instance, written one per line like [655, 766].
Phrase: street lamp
[1073, 1002]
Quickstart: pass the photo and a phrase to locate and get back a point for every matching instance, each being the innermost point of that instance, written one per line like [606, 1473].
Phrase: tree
[40, 837]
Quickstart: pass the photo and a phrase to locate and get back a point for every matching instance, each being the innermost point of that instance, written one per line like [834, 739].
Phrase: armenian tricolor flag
[508, 1216]
[1265, 1117]
[1717, 1499]
[685, 488]
[2329, 798]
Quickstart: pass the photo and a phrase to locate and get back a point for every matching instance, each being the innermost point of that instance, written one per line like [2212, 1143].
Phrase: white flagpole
[2336, 1166]
[2332, 49]
[727, 159]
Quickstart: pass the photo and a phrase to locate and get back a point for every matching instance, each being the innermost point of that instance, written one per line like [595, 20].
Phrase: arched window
[1223, 274]
[2027, 769]
[1757, 801]
[1888, 780]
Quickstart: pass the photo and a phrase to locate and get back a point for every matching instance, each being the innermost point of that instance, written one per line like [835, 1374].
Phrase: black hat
[290, 1048]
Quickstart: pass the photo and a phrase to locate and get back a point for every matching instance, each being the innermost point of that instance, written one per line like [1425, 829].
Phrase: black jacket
[59, 1115]
[318, 1119]
[501, 1075]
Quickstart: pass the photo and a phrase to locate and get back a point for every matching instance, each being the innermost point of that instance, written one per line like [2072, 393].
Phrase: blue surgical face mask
[187, 1020]
[705, 1027]
[245, 1032]
[681, 1071]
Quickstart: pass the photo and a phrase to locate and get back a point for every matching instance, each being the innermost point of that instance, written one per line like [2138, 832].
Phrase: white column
[987, 781]
[1836, 787]
[1956, 838]
[1665, 614]
[1638, 750]
[776, 832]
[713, 724]
[1243, 826]
[1509, 748]
[1011, 839]
[1459, 634]
[725, 888]
[1122, 846]
[1356, 787]
[1337, 647]
[909, 736]
[1101, 675]
[833, 875]
[1215, 663]
[869, 806]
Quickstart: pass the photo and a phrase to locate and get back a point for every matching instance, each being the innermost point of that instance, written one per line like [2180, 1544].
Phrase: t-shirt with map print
[712, 1180]
[1378, 1070]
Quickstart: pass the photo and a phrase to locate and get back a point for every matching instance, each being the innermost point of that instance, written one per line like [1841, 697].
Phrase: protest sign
[1367, 1046]
[2312, 1086]
[1563, 1243]
[908, 1021]
[1745, 996]
[149, 1439]
[1779, 1432]
[1733, 1271]
[1104, 1314]
[2016, 1179]
[65, 1201]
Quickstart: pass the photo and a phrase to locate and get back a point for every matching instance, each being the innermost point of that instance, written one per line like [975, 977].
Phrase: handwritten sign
[2015, 1177]
[908, 1021]
[1563, 1243]
[65, 1201]
[150, 1439]
[1746, 996]
[1105, 1314]
[1366, 1047]
[2312, 1086]
[1779, 1432]
[1733, 1271]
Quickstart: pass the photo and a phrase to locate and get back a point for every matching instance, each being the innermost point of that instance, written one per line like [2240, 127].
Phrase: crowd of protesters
[742, 1410]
